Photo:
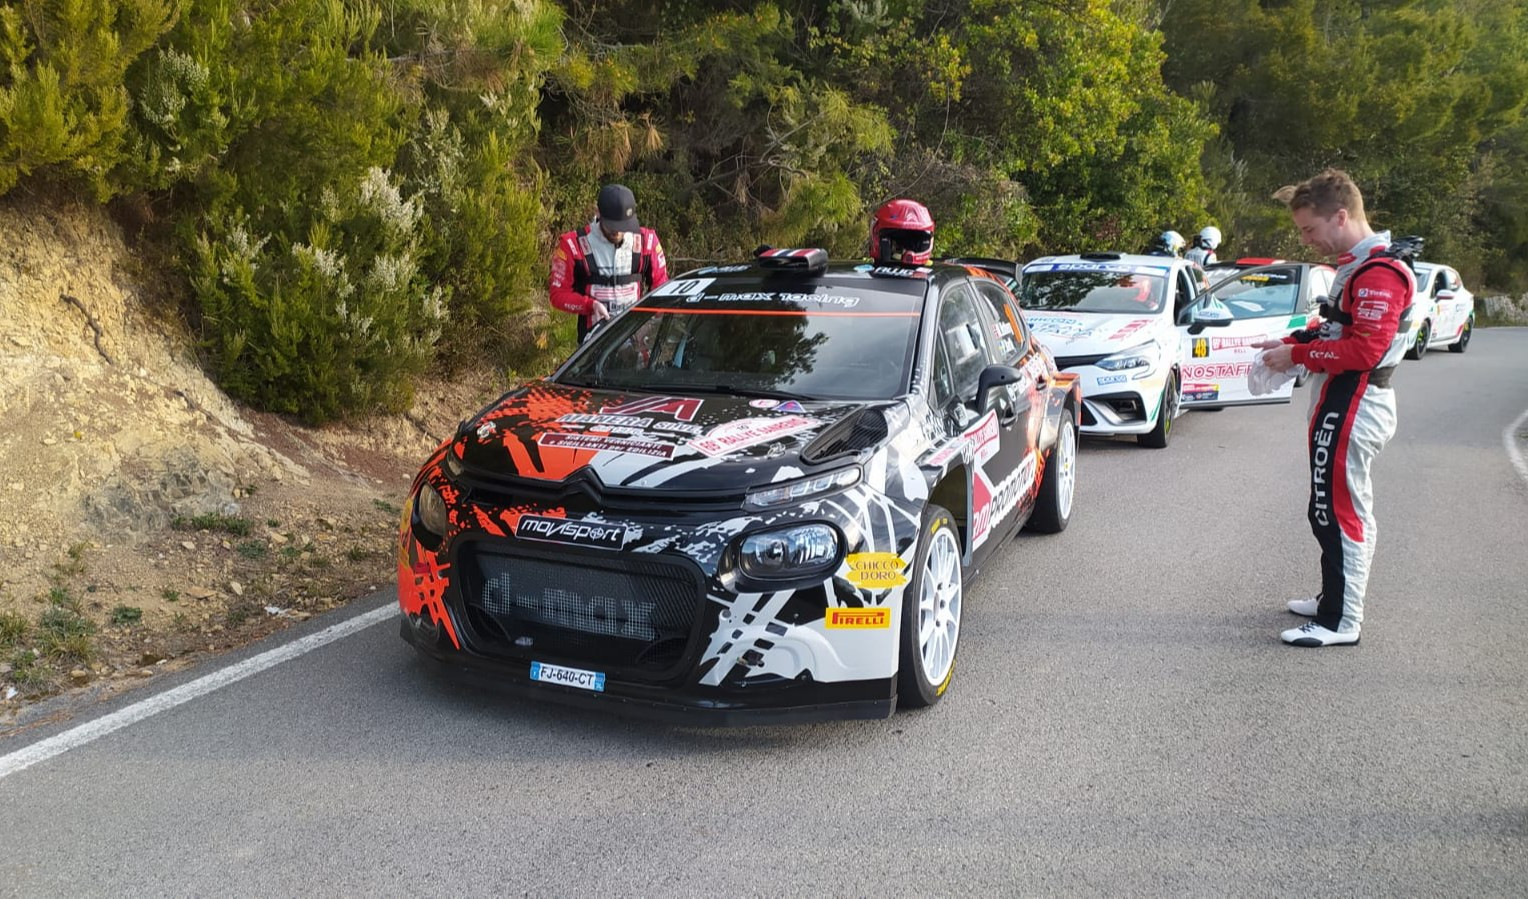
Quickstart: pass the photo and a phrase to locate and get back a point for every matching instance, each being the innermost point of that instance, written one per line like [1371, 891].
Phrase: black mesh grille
[618, 613]
[1065, 362]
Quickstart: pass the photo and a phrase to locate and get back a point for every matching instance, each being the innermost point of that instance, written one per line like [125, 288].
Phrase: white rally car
[1111, 319]
[1442, 312]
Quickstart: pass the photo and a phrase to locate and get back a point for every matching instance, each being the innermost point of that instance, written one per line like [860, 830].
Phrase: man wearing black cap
[602, 268]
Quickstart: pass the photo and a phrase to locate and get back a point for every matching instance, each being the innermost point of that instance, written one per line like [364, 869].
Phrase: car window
[1187, 293]
[960, 335]
[1262, 292]
[1321, 283]
[1009, 326]
[941, 378]
[818, 339]
[1121, 290]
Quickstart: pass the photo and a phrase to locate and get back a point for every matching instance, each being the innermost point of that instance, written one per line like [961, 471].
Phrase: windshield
[849, 340]
[1124, 289]
[1261, 293]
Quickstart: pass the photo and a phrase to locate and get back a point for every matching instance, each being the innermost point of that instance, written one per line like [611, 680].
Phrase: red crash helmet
[902, 231]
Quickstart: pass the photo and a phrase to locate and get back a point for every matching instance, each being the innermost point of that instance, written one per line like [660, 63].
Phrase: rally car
[755, 495]
[1265, 302]
[1442, 312]
[1110, 319]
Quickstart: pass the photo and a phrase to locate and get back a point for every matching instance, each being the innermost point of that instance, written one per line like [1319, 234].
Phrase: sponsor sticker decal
[856, 619]
[1370, 310]
[1196, 393]
[945, 454]
[1201, 347]
[576, 533]
[682, 408]
[683, 287]
[746, 432]
[486, 430]
[600, 444]
[1210, 371]
[790, 406]
[1130, 328]
[876, 571]
[1232, 343]
[1060, 325]
[763, 404]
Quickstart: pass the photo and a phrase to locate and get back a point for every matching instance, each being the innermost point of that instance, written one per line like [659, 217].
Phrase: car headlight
[1143, 356]
[431, 510]
[788, 492]
[789, 553]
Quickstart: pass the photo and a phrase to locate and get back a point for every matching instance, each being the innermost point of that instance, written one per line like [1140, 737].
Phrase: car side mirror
[1210, 316]
[994, 375]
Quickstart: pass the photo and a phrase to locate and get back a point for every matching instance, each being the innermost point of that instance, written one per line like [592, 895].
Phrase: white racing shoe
[1305, 606]
[1312, 634]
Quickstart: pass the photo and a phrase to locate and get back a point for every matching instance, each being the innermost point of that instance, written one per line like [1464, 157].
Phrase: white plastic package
[1262, 380]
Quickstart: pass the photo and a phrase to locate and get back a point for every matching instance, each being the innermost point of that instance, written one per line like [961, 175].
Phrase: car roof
[1106, 260]
[862, 270]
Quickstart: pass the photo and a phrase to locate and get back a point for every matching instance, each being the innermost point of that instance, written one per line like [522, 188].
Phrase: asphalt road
[1123, 721]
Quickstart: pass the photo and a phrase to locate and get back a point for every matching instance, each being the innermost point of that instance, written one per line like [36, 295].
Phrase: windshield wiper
[742, 391]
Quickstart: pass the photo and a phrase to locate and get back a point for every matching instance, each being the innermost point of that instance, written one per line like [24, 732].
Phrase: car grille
[1065, 362]
[632, 615]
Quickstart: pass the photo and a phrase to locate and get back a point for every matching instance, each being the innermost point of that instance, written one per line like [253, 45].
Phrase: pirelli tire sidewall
[914, 689]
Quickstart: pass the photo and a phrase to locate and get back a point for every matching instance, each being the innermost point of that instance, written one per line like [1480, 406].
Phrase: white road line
[1509, 440]
[100, 727]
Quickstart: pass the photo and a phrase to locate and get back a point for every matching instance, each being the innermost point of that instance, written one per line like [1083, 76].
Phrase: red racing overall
[586, 267]
[1353, 416]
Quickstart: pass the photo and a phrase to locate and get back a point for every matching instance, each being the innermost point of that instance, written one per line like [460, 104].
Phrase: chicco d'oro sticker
[876, 571]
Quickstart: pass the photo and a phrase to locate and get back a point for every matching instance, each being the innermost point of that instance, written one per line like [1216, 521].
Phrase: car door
[1264, 304]
[995, 436]
[1453, 302]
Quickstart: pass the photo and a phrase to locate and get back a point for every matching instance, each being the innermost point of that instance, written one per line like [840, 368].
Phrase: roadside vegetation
[351, 194]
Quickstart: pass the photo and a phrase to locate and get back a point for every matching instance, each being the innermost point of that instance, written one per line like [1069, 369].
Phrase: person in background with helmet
[1205, 243]
[1351, 355]
[902, 233]
[601, 269]
[1168, 243]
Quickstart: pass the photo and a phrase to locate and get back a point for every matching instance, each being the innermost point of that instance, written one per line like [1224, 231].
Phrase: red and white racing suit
[586, 267]
[1352, 355]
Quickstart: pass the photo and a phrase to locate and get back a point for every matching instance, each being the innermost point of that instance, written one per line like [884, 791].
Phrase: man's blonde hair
[1325, 194]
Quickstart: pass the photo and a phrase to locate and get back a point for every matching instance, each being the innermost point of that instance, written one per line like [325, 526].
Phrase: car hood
[1089, 333]
[724, 444]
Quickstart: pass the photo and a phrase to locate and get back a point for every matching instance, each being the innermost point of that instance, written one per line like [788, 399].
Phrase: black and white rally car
[755, 495]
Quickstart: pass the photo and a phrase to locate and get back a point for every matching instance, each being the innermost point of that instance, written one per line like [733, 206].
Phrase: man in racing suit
[1352, 354]
[600, 270]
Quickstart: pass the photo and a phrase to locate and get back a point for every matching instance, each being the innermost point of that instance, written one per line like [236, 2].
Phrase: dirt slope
[114, 447]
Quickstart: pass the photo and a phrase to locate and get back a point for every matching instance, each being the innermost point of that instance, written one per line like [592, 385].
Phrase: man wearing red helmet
[902, 233]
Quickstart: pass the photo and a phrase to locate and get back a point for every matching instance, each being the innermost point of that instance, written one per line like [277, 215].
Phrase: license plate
[568, 677]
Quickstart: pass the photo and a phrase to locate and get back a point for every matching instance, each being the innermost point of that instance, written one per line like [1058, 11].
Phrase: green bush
[331, 326]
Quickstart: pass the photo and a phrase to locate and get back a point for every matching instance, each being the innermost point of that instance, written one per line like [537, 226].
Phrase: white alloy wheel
[939, 607]
[1065, 460]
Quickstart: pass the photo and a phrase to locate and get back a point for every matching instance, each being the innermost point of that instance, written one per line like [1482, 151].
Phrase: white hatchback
[1110, 318]
[1442, 312]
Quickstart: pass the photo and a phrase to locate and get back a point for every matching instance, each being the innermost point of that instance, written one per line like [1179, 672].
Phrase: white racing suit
[1352, 354]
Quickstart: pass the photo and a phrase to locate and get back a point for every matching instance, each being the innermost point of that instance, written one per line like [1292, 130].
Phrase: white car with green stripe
[1265, 302]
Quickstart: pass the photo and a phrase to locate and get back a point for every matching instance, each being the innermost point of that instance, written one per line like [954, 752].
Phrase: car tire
[1167, 408]
[1053, 504]
[931, 613]
[1463, 342]
[1418, 349]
